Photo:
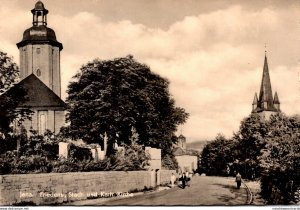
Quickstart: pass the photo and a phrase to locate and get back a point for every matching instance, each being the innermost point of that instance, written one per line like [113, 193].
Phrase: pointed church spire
[276, 102]
[265, 99]
[276, 99]
[255, 100]
[265, 105]
[254, 104]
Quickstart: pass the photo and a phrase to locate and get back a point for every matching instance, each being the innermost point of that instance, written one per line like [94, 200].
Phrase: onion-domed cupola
[40, 50]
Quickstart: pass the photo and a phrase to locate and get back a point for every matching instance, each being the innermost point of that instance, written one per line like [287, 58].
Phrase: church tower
[40, 51]
[40, 74]
[265, 104]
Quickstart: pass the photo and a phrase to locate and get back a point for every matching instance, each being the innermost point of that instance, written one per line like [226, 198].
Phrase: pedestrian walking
[183, 180]
[173, 179]
[179, 179]
[238, 180]
[228, 170]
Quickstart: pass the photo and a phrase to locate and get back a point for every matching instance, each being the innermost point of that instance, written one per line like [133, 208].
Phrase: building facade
[187, 159]
[265, 105]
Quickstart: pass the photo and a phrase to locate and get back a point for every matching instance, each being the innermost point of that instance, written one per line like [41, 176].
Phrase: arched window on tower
[38, 72]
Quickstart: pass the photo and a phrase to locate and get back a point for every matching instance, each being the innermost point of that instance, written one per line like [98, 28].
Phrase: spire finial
[265, 49]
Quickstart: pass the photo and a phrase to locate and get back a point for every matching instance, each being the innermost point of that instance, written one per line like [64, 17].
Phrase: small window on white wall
[42, 122]
[38, 50]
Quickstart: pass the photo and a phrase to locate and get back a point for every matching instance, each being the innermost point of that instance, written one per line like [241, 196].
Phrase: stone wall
[165, 176]
[62, 187]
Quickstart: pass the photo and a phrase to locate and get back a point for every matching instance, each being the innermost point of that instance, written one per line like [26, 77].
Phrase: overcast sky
[212, 52]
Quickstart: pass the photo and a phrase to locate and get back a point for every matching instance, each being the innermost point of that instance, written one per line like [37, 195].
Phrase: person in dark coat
[238, 180]
[183, 180]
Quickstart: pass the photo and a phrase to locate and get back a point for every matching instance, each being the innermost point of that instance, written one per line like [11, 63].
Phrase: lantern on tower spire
[39, 14]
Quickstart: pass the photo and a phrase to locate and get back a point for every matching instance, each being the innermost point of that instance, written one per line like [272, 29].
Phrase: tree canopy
[280, 160]
[114, 96]
[217, 154]
[268, 149]
[10, 99]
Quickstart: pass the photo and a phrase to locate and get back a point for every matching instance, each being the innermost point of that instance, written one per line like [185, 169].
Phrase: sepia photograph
[149, 103]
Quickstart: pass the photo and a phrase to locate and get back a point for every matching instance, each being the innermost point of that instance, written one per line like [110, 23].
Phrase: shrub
[39, 154]
[278, 187]
[132, 158]
[63, 165]
[96, 166]
[50, 150]
[7, 162]
[169, 162]
[31, 164]
[8, 144]
[79, 153]
[44, 145]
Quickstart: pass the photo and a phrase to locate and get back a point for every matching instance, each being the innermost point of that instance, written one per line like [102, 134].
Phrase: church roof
[38, 94]
[276, 99]
[39, 35]
[178, 151]
[39, 6]
[265, 94]
[265, 100]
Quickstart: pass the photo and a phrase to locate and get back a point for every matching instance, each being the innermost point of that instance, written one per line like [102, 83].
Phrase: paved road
[203, 191]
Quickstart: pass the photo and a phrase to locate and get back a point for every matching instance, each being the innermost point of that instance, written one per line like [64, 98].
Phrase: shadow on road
[236, 194]
[227, 186]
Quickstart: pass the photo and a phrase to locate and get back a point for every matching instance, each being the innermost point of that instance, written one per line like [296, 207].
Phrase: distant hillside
[197, 145]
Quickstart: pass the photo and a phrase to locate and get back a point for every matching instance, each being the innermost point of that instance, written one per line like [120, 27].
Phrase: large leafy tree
[280, 160]
[251, 136]
[217, 155]
[269, 149]
[250, 140]
[114, 96]
[10, 99]
[241, 152]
